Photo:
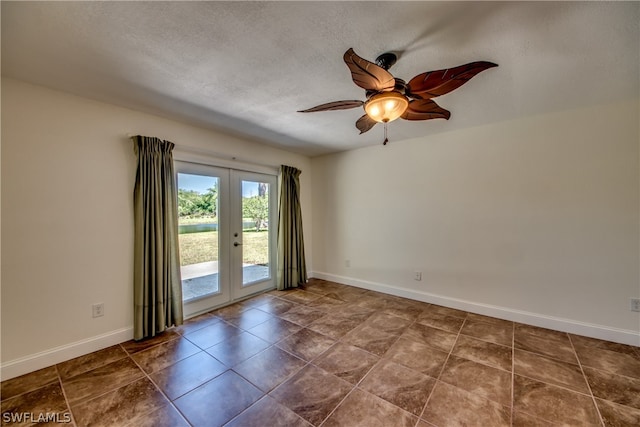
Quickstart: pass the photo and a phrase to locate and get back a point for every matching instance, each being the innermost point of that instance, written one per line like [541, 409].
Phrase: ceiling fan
[390, 98]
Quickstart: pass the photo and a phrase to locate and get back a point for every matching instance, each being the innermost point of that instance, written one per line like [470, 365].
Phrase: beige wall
[68, 172]
[535, 220]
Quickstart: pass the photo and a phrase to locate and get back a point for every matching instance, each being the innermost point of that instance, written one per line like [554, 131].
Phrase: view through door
[254, 232]
[226, 234]
[198, 235]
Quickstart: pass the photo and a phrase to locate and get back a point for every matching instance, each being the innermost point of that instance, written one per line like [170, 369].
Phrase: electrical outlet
[347, 263]
[417, 275]
[635, 304]
[98, 309]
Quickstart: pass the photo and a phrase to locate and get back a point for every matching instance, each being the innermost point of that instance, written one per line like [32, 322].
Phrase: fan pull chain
[385, 134]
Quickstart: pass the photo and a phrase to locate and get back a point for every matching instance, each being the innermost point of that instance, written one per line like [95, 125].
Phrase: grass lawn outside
[203, 247]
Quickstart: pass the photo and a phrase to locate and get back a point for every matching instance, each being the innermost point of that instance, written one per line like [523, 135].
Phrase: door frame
[238, 288]
[223, 296]
[229, 209]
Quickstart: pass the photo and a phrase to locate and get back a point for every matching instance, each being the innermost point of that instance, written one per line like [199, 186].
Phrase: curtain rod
[187, 153]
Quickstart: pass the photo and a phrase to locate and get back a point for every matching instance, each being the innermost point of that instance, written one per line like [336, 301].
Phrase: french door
[227, 234]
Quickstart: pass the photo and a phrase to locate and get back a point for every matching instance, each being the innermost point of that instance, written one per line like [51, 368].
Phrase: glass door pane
[253, 221]
[198, 235]
[255, 232]
[203, 194]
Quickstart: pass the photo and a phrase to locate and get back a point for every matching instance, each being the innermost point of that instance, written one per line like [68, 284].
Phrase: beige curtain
[157, 283]
[292, 269]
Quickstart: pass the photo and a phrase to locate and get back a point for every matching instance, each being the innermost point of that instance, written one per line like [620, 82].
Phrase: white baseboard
[43, 359]
[24, 365]
[622, 336]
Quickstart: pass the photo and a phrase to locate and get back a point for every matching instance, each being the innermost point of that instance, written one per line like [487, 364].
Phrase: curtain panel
[292, 269]
[157, 283]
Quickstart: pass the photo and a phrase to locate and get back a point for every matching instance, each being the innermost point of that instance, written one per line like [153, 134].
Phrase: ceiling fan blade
[425, 109]
[336, 105]
[365, 123]
[437, 83]
[368, 75]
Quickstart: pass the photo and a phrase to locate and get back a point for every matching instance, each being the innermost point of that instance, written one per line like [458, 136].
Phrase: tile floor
[333, 355]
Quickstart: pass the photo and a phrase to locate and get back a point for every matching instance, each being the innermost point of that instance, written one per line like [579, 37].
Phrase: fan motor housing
[401, 86]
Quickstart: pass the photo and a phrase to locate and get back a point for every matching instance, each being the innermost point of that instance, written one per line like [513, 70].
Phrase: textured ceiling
[245, 68]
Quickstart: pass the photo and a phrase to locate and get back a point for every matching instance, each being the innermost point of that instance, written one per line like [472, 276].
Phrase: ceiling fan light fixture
[390, 98]
[386, 106]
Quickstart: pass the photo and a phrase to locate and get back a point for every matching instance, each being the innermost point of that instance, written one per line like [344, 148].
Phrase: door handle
[237, 244]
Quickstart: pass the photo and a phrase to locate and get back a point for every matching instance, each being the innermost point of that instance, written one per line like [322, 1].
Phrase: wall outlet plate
[417, 275]
[635, 304]
[98, 309]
